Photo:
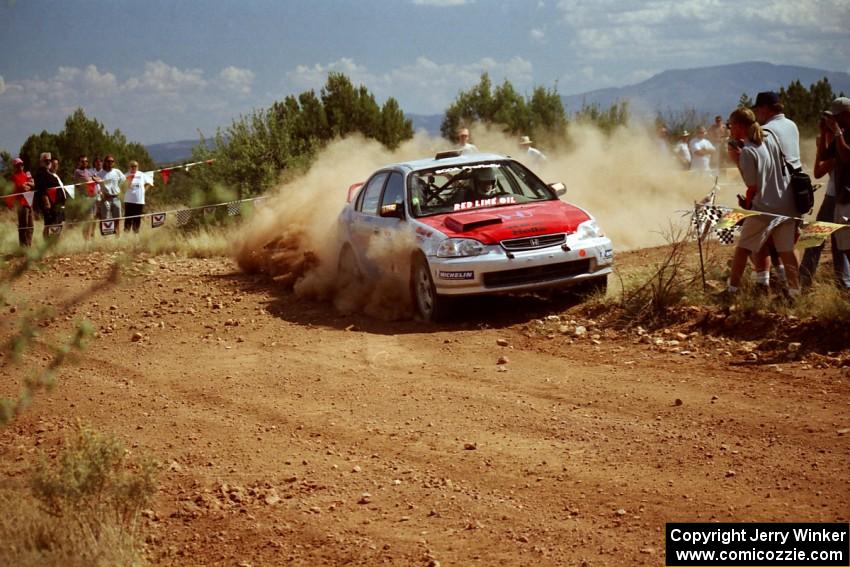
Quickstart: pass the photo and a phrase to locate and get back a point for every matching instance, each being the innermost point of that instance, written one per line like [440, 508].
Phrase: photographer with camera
[824, 165]
[759, 160]
[837, 124]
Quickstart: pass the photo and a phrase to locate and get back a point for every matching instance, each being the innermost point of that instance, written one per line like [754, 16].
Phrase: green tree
[606, 120]
[252, 154]
[394, 128]
[744, 101]
[804, 106]
[541, 113]
[83, 135]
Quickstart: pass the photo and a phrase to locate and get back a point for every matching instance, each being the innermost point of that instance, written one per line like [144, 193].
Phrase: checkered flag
[706, 216]
[234, 208]
[184, 216]
[727, 235]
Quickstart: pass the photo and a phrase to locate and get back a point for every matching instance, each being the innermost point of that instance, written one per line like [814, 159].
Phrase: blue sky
[160, 71]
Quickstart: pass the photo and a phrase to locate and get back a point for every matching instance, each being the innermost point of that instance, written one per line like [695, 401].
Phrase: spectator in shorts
[837, 123]
[811, 257]
[88, 192]
[134, 197]
[111, 180]
[23, 182]
[760, 162]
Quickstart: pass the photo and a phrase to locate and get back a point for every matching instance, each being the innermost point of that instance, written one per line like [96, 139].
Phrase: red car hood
[492, 225]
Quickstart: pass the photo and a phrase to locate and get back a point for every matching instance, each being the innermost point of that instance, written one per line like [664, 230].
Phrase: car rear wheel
[429, 305]
[348, 272]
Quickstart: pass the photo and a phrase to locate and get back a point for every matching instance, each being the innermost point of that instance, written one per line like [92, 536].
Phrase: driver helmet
[485, 180]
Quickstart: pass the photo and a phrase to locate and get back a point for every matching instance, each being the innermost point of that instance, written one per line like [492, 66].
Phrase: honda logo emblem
[534, 242]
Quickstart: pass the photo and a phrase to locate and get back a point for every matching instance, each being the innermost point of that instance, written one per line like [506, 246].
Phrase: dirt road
[292, 434]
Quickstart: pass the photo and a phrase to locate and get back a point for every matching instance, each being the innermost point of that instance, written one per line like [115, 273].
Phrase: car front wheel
[429, 305]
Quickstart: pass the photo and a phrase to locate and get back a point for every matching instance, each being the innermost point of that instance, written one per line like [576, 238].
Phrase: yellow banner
[733, 217]
[816, 233]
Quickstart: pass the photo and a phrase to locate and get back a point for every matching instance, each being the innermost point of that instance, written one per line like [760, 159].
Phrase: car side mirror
[394, 210]
[559, 188]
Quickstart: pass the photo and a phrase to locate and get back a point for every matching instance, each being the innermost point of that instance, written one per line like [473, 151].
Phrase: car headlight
[589, 229]
[457, 247]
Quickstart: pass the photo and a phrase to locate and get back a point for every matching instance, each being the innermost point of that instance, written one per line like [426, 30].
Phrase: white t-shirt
[701, 162]
[112, 181]
[468, 148]
[789, 138]
[535, 154]
[682, 152]
[136, 190]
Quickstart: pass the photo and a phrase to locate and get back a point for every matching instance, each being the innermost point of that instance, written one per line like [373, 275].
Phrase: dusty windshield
[474, 186]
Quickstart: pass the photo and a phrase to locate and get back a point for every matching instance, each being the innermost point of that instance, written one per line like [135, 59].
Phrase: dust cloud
[294, 236]
[625, 180]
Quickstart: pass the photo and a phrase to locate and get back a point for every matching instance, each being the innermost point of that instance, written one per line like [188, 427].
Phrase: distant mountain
[712, 90]
[173, 152]
[428, 122]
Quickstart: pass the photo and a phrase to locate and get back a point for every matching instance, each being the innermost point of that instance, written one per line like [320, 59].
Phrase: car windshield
[475, 186]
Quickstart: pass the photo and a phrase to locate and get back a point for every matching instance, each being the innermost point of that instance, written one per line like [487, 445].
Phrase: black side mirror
[393, 210]
[559, 188]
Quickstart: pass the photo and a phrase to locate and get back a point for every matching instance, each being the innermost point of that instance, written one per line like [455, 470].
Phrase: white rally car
[481, 223]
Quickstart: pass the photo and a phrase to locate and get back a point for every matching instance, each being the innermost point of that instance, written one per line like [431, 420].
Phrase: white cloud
[152, 104]
[237, 79]
[442, 3]
[538, 35]
[161, 77]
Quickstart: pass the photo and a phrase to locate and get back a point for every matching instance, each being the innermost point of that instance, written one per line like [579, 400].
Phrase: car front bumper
[498, 271]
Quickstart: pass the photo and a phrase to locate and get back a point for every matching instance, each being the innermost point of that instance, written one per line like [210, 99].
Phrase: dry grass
[203, 241]
[82, 508]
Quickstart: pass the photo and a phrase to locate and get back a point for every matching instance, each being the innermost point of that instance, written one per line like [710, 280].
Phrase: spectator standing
[86, 175]
[111, 180]
[701, 151]
[759, 160]
[57, 206]
[533, 153]
[134, 198]
[826, 212]
[717, 135]
[769, 113]
[661, 135]
[463, 140]
[837, 123]
[23, 182]
[681, 151]
[44, 180]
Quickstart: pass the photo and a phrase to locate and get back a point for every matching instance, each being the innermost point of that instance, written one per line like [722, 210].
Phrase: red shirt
[20, 178]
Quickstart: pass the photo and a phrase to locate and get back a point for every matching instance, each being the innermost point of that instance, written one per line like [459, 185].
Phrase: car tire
[430, 306]
[347, 271]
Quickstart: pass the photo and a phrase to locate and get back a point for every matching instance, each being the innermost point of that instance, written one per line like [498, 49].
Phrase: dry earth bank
[292, 434]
